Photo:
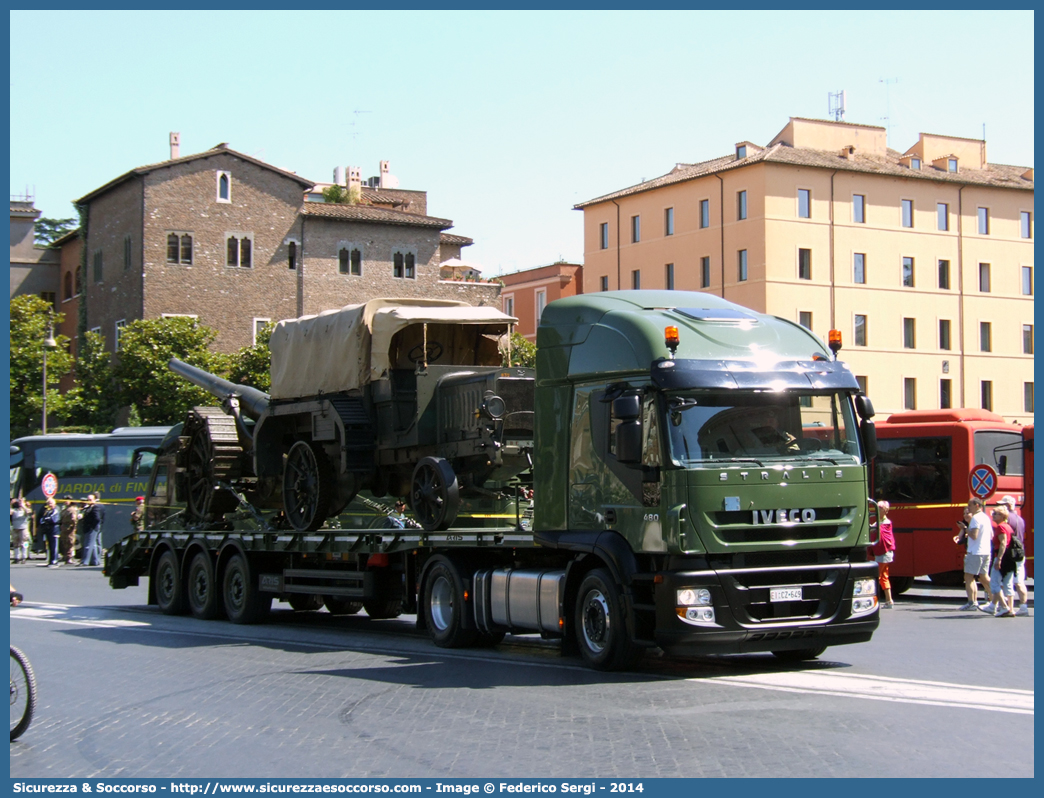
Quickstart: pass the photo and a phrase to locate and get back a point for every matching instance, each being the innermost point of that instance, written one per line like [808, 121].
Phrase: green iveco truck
[679, 472]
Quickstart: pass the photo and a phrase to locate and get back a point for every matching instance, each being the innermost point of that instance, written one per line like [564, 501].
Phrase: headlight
[865, 587]
[692, 597]
[494, 406]
[864, 597]
[697, 616]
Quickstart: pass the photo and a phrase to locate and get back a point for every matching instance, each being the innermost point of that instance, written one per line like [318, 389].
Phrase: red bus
[923, 461]
[1027, 508]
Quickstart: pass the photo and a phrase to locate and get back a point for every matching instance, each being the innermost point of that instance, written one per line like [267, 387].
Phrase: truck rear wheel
[799, 654]
[305, 602]
[444, 607]
[202, 590]
[336, 605]
[381, 609]
[169, 596]
[307, 486]
[601, 629]
[244, 603]
[434, 493]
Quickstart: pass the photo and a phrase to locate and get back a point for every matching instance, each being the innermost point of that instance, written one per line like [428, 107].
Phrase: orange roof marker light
[834, 340]
[670, 337]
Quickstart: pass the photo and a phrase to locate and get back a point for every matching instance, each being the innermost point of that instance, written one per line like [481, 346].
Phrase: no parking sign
[983, 481]
[49, 486]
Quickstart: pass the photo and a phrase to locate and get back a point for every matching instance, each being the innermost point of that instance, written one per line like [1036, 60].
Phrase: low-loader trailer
[679, 472]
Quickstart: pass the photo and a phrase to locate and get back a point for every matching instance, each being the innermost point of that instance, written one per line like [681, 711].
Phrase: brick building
[526, 293]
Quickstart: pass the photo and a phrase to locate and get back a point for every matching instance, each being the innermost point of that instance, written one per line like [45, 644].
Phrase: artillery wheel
[307, 486]
[213, 455]
[434, 495]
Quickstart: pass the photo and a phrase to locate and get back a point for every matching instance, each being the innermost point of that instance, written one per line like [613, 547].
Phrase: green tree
[339, 195]
[523, 352]
[29, 327]
[252, 365]
[142, 377]
[50, 230]
[93, 402]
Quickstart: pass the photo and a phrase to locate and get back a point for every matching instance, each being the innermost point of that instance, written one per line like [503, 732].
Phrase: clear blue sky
[506, 119]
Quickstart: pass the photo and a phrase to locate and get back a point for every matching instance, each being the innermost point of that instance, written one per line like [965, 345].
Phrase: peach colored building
[922, 258]
[526, 293]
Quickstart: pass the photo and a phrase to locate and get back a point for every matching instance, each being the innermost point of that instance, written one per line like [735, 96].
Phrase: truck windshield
[761, 427]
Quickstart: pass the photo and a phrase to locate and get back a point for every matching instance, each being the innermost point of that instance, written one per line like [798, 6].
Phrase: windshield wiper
[739, 460]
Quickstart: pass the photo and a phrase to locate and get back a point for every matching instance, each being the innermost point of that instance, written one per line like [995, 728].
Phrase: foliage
[142, 377]
[252, 365]
[50, 230]
[29, 326]
[523, 352]
[93, 400]
[340, 195]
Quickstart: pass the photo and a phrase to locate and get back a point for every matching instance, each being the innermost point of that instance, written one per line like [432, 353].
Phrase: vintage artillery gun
[400, 397]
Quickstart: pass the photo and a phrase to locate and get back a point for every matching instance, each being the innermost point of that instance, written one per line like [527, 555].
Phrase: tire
[601, 629]
[434, 493]
[799, 654]
[201, 588]
[307, 486]
[381, 609]
[244, 602]
[305, 602]
[444, 608]
[337, 605]
[170, 597]
[900, 584]
[23, 693]
[948, 579]
[490, 639]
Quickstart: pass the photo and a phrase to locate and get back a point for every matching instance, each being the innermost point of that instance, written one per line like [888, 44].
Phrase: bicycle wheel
[23, 693]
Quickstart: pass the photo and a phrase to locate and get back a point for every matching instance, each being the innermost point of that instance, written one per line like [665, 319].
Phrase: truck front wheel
[444, 607]
[244, 603]
[169, 595]
[601, 629]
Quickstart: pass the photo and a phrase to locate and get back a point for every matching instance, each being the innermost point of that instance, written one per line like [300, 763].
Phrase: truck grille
[737, 527]
[749, 593]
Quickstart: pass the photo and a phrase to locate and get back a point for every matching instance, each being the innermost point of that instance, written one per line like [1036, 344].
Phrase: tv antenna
[355, 133]
[888, 106]
[836, 105]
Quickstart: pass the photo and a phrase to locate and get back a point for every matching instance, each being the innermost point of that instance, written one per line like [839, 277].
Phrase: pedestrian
[70, 516]
[397, 518]
[1018, 529]
[977, 533]
[1002, 573]
[49, 526]
[137, 517]
[21, 515]
[93, 515]
[884, 551]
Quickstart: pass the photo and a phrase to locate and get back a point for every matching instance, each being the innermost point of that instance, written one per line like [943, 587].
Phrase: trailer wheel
[444, 607]
[202, 591]
[336, 605]
[381, 609]
[307, 486]
[305, 602]
[799, 654]
[169, 596]
[434, 494]
[244, 603]
[601, 630]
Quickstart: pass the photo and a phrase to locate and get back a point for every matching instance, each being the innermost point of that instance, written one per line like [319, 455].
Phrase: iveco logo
[766, 517]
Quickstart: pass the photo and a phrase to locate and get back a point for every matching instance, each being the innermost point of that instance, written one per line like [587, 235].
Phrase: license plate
[785, 594]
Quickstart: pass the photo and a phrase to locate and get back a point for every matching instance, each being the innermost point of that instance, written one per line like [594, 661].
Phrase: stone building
[34, 270]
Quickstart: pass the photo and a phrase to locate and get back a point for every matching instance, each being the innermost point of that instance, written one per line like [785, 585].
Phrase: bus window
[913, 470]
[991, 445]
[71, 461]
[120, 456]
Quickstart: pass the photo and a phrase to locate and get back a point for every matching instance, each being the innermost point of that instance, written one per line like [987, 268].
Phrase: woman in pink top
[884, 551]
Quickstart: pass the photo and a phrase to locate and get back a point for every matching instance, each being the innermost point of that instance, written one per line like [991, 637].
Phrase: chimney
[338, 175]
[354, 176]
[175, 146]
[385, 168]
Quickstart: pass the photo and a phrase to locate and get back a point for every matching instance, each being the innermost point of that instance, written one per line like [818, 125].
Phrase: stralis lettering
[766, 517]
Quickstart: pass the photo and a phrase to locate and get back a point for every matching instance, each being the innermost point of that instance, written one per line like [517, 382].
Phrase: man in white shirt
[977, 532]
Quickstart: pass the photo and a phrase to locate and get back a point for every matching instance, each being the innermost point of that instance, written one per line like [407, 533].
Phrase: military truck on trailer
[699, 469]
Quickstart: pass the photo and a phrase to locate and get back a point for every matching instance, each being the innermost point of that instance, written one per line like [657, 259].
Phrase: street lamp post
[49, 343]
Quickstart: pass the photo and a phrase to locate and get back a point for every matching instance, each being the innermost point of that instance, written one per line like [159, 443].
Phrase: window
[985, 336]
[859, 209]
[669, 277]
[1027, 281]
[126, 253]
[805, 319]
[98, 266]
[907, 213]
[509, 305]
[291, 255]
[68, 287]
[398, 265]
[742, 265]
[859, 268]
[984, 277]
[179, 248]
[50, 297]
[984, 221]
[804, 264]
[636, 279]
[636, 229]
[951, 164]
[741, 205]
[909, 394]
[411, 266]
[705, 272]
[259, 326]
[668, 222]
[224, 186]
[1027, 397]
[741, 151]
[945, 394]
[915, 163]
[349, 261]
[860, 336]
[944, 335]
[908, 272]
[862, 382]
[603, 235]
[804, 203]
[944, 275]
[704, 214]
[118, 332]
[605, 283]
[942, 211]
[404, 266]
[909, 333]
[1027, 339]
[986, 391]
[541, 303]
[239, 250]
[1026, 227]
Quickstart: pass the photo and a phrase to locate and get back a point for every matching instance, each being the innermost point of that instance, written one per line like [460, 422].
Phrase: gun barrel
[252, 402]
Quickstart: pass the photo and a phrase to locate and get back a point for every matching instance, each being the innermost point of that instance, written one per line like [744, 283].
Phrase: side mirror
[864, 407]
[627, 408]
[629, 442]
[868, 434]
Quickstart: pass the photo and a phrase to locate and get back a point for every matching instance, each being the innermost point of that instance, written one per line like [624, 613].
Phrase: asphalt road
[127, 691]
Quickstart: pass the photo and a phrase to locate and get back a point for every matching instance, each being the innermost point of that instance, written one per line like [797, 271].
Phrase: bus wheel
[900, 584]
[169, 596]
[601, 630]
[244, 603]
[444, 606]
[799, 654]
[202, 592]
[305, 602]
[948, 579]
[336, 605]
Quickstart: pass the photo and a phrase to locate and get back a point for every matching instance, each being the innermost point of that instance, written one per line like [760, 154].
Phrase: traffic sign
[49, 486]
[983, 481]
